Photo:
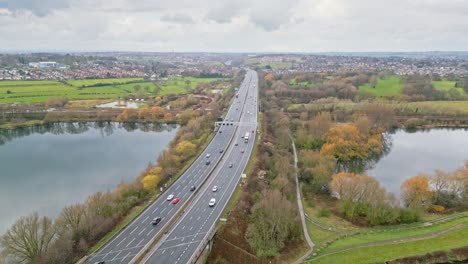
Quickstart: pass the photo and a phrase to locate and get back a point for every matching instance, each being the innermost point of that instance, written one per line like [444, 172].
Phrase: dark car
[192, 188]
[220, 131]
[230, 165]
[156, 220]
[207, 162]
[221, 150]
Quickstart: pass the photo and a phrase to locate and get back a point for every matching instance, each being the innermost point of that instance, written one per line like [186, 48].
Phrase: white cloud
[234, 25]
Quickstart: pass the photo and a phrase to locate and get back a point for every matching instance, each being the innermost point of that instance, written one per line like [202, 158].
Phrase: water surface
[45, 168]
[423, 151]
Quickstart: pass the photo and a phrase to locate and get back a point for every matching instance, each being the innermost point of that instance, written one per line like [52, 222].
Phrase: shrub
[413, 123]
[324, 213]
[460, 253]
[436, 208]
[409, 215]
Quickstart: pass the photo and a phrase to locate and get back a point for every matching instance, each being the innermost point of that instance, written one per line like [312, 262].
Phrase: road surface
[185, 240]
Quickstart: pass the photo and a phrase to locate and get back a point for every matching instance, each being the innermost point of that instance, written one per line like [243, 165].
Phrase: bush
[460, 253]
[413, 123]
[409, 215]
[430, 258]
[436, 208]
[324, 213]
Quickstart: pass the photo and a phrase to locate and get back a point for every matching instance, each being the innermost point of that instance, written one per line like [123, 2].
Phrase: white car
[208, 156]
[212, 202]
[215, 188]
[170, 197]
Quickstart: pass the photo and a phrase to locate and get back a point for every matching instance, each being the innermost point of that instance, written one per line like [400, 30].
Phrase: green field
[389, 86]
[382, 253]
[446, 86]
[41, 91]
[294, 82]
[90, 82]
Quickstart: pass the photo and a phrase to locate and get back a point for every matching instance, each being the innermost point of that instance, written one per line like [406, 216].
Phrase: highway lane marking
[116, 255]
[142, 231]
[121, 241]
[130, 248]
[179, 245]
[125, 257]
[154, 210]
[134, 230]
[140, 242]
[144, 220]
[162, 211]
[130, 242]
[150, 232]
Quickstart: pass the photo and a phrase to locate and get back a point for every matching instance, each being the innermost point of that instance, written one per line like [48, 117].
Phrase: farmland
[41, 91]
[389, 86]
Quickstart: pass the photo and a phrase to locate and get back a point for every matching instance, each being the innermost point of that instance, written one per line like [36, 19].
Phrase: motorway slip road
[124, 247]
[188, 237]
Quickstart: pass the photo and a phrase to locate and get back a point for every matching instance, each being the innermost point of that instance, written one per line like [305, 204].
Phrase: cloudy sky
[233, 25]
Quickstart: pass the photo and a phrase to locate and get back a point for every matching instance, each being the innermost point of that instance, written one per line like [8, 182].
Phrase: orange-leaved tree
[416, 192]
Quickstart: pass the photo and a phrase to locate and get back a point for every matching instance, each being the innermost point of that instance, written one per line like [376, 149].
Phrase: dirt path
[301, 212]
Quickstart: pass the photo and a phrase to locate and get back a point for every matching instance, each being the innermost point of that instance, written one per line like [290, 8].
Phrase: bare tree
[29, 238]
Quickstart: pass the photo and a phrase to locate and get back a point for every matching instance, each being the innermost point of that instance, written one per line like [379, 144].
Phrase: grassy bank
[443, 241]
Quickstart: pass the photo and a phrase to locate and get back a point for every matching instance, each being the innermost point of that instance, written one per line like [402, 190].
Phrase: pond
[45, 168]
[421, 151]
[123, 104]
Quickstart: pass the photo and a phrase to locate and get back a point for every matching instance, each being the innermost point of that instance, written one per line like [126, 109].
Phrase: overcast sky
[234, 25]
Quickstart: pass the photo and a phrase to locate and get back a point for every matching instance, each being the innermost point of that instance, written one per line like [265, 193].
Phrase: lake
[45, 168]
[422, 151]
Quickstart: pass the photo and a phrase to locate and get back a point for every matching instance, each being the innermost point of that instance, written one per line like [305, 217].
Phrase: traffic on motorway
[188, 237]
[148, 226]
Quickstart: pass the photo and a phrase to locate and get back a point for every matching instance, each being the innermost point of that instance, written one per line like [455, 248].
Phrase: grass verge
[446, 241]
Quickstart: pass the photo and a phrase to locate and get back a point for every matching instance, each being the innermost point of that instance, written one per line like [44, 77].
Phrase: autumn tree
[346, 142]
[167, 117]
[157, 112]
[127, 114]
[144, 113]
[415, 191]
[28, 239]
[150, 182]
[186, 148]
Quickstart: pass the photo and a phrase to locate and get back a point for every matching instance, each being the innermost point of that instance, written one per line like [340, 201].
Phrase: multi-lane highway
[138, 235]
[188, 237]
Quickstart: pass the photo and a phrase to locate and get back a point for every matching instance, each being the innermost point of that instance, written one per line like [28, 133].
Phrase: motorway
[188, 237]
[138, 235]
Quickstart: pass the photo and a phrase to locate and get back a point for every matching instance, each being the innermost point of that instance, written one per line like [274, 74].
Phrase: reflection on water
[104, 128]
[44, 168]
[419, 151]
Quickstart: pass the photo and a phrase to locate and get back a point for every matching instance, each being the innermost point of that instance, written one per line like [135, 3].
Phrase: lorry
[246, 137]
